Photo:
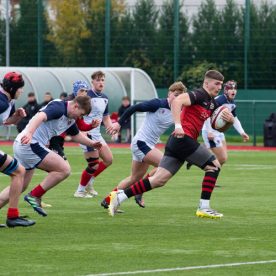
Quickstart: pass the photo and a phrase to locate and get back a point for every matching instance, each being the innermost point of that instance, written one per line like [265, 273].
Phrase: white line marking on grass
[182, 268]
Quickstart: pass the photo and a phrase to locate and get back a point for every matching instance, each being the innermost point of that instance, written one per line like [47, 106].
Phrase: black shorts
[57, 145]
[179, 150]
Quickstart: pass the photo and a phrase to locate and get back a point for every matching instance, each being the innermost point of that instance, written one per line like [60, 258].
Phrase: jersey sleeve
[83, 126]
[147, 106]
[12, 111]
[73, 130]
[3, 106]
[196, 97]
[106, 111]
[54, 110]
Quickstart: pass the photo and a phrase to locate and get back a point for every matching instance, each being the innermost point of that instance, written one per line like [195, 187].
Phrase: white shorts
[216, 143]
[139, 150]
[30, 155]
[94, 137]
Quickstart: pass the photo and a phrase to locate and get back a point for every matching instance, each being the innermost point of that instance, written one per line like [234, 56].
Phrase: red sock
[101, 168]
[85, 177]
[38, 191]
[13, 213]
[107, 199]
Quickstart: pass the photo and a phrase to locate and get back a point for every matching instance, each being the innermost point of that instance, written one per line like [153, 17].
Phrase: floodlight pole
[7, 35]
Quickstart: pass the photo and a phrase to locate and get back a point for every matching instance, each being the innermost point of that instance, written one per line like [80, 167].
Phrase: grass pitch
[79, 238]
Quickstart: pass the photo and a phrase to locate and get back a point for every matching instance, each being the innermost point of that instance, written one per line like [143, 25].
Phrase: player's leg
[138, 170]
[168, 166]
[153, 157]
[204, 159]
[11, 194]
[106, 159]
[58, 170]
[92, 158]
[221, 152]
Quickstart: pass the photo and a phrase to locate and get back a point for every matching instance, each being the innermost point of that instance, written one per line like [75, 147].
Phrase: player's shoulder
[221, 99]
[4, 102]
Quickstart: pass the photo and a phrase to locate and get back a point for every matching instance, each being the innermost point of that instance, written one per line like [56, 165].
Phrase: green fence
[170, 39]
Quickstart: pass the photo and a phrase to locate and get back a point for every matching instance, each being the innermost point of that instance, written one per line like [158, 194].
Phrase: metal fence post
[254, 122]
[39, 35]
[176, 40]
[7, 33]
[107, 32]
[246, 41]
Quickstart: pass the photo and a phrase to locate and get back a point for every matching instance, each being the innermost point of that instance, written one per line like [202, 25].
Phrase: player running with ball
[189, 110]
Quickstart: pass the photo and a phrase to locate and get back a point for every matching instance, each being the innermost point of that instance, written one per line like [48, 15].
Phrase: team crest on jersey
[212, 106]
[69, 122]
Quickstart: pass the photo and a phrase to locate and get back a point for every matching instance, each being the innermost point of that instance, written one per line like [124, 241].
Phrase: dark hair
[215, 75]
[63, 94]
[125, 98]
[84, 103]
[31, 94]
[97, 74]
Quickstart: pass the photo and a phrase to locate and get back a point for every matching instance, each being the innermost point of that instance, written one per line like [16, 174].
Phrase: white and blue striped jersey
[57, 123]
[158, 119]
[7, 108]
[99, 109]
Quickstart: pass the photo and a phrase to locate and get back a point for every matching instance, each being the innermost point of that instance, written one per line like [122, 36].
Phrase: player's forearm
[237, 125]
[82, 139]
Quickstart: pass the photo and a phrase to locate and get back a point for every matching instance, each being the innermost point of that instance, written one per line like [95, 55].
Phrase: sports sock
[85, 177]
[139, 187]
[208, 184]
[12, 213]
[204, 203]
[81, 188]
[38, 191]
[100, 168]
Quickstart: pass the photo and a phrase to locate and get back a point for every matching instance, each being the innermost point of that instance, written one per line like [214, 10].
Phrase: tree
[141, 42]
[262, 41]
[164, 57]
[24, 35]
[68, 27]
[205, 31]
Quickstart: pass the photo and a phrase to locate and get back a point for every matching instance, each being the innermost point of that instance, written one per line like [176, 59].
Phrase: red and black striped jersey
[193, 116]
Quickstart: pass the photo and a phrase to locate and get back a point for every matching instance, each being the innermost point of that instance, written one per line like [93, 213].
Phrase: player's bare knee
[222, 160]
[66, 171]
[212, 166]
[108, 162]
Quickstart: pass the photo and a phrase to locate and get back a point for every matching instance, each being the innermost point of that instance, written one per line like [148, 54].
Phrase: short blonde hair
[178, 87]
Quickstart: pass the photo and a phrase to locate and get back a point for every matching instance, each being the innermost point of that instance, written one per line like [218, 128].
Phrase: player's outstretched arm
[237, 125]
[84, 140]
[16, 116]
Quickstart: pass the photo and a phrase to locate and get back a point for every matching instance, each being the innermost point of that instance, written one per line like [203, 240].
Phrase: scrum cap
[11, 82]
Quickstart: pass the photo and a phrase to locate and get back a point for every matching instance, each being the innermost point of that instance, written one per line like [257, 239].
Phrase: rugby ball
[217, 122]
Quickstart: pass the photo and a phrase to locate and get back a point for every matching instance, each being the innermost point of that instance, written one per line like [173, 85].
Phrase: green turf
[79, 238]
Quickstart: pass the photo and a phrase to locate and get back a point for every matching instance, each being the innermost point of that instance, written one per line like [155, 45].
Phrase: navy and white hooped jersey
[158, 120]
[6, 108]
[99, 109]
[57, 123]
[231, 105]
